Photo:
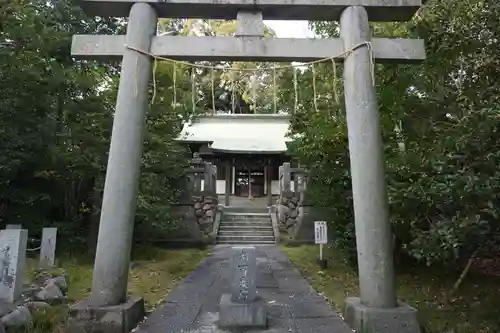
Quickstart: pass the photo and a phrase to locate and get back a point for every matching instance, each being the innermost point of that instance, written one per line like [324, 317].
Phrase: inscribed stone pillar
[111, 266]
[286, 177]
[280, 179]
[228, 183]
[296, 176]
[207, 177]
[48, 247]
[371, 212]
[214, 179]
[249, 182]
[244, 273]
[12, 260]
[269, 180]
[196, 179]
[242, 308]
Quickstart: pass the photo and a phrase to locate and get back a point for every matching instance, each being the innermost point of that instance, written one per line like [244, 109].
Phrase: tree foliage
[55, 125]
[441, 174]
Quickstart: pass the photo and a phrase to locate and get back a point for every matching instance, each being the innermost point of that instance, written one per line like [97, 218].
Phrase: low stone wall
[293, 212]
[303, 232]
[197, 208]
[288, 212]
[296, 218]
[205, 210]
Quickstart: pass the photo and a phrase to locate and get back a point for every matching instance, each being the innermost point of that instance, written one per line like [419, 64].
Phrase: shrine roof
[239, 133]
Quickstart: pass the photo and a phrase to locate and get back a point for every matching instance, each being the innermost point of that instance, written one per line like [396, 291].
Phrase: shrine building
[246, 148]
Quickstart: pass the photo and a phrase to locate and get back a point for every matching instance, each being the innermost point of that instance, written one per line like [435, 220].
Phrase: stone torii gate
[377, 309]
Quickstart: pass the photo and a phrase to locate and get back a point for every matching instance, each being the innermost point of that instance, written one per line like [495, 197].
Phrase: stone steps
[247, 224]
[247, 233]
[254, 238]
[245, 228]
[235, 227]
[241, 242]
[246, 217]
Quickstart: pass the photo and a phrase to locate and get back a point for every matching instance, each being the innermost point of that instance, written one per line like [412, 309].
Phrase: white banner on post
[320, 232]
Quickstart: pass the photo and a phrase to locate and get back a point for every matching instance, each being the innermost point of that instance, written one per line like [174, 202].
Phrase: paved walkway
[293, 306]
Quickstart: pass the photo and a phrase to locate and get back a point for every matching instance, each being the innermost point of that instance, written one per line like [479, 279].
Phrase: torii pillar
[108, 308]
[377, 310]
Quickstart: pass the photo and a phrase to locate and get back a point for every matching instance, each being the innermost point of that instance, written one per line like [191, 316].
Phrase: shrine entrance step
[245, 228]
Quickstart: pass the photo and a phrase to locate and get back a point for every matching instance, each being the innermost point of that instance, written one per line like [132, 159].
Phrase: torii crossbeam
[377, 310]
[192, 48]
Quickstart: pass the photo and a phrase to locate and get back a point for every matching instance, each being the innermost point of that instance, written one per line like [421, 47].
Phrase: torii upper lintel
[309, 10]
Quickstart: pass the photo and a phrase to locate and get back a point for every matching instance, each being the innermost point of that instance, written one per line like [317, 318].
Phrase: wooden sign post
[321, 238]
[377, 309]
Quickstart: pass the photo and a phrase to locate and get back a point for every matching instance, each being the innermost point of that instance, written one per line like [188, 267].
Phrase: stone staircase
[245, 227]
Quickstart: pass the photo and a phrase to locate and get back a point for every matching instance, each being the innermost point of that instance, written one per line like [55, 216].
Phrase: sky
[290, 29]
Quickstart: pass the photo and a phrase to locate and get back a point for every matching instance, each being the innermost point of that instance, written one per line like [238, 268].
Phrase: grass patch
[473, 309]
[154, 278]
[154, 272]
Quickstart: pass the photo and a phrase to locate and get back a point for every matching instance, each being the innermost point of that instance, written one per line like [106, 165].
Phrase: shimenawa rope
[274, 68]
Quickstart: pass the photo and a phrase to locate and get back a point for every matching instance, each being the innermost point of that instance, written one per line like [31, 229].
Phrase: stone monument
[12, 260]
[243, 308]
[48, 247]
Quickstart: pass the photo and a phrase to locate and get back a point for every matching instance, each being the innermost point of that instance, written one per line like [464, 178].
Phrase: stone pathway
[293, 306]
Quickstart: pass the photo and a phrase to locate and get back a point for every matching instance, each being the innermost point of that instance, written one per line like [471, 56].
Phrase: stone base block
[361, 318]
[121, 318]
[233, 314]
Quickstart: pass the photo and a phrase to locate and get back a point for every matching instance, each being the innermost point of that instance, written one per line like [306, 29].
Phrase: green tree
[443, 187]
[55, 124]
